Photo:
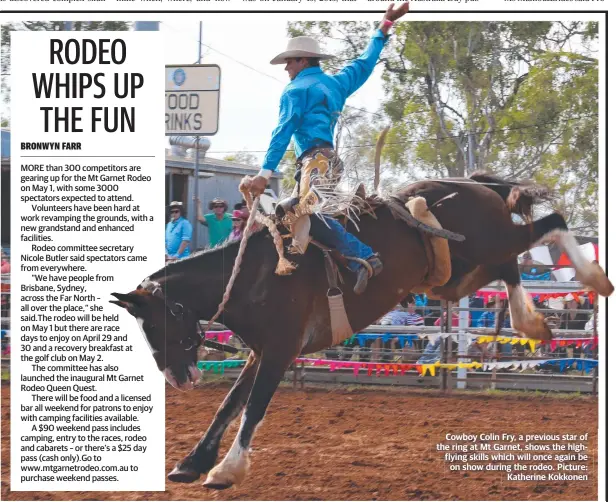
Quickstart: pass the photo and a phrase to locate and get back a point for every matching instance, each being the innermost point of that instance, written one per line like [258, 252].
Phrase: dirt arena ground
[360, 444]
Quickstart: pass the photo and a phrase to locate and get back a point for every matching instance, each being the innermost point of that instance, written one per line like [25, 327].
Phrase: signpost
[192, 100]
[192, 105]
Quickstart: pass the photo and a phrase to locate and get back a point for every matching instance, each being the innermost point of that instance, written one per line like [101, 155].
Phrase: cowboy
[219, 223]
[309, 109]
[178, 233]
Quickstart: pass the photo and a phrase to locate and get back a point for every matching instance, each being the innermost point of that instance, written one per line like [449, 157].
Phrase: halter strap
[178, 310]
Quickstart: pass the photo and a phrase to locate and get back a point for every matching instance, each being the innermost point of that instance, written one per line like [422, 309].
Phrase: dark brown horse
[281, 317]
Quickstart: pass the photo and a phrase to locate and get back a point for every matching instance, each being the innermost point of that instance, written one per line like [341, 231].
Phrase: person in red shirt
[6, 264]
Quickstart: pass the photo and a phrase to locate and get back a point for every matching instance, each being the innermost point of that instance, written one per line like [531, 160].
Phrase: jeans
[432, 353]
[338, 238]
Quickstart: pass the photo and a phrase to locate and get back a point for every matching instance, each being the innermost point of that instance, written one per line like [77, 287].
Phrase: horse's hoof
[545, 335]
[536, 329]
[219, 480]
[543, 331]
[178, 475]
[595, 278]
[214, 485]
[225, 475]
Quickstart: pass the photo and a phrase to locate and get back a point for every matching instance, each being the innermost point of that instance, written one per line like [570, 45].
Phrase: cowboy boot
[364, 274]
[286, 205]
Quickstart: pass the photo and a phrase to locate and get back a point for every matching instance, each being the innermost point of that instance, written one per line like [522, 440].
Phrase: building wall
[223, 181]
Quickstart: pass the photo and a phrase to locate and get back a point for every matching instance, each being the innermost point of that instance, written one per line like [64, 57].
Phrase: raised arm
[355, 74]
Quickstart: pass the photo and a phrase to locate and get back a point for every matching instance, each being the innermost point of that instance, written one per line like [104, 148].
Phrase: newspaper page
[305, 249]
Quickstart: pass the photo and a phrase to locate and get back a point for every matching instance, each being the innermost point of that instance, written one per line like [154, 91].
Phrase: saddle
[293, 217]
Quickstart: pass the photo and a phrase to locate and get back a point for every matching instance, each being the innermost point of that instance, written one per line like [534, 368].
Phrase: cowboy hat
[301, 47]
[216, 202]
[176, 203]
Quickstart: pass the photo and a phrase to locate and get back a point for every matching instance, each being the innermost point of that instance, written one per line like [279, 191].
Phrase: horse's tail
[519, 197]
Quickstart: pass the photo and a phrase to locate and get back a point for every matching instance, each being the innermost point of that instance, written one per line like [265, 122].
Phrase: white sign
[192, 99]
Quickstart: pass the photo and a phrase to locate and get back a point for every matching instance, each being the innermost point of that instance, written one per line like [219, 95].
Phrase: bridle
[178, 311]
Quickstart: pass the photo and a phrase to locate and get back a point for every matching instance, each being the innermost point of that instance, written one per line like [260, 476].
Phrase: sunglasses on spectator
[218, 205]
[175, 210]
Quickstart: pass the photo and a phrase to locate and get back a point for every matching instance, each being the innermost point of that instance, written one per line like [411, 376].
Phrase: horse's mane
[199, 258]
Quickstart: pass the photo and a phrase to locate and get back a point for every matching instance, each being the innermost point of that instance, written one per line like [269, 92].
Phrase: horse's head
[171, 333]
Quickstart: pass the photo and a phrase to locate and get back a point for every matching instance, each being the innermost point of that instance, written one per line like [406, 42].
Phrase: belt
[324, 144]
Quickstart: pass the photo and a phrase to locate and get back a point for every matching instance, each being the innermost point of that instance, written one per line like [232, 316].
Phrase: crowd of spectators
[222, 226]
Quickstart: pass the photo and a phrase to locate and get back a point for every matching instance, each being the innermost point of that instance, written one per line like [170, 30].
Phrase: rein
[177, 310]
[238, 260]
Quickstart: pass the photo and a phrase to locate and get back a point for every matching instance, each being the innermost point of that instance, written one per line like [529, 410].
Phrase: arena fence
[466, 357]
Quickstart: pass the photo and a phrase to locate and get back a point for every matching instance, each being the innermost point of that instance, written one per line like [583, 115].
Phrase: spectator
[432, 352]
[243, 208]
[488, 318]
[413, 319]
[573, 319]
[178, 233]
[455, 318]
[401, 318]
[6, 264]
[219, 223]
[395, 318]
[529, 271]
[239, 223]
[475, 302]
[590, 325]
[431, 315]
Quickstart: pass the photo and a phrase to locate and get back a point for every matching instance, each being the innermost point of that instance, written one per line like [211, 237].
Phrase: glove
[255, 185]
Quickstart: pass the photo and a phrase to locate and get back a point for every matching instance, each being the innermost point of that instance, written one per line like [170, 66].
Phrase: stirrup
[365, 263]
[364, 275]
[286, 205]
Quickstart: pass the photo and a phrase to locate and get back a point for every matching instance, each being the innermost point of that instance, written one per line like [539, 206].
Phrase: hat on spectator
[217, 201]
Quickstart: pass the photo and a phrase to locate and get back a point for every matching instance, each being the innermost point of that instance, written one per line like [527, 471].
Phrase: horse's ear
[128, 302]
[124, 305]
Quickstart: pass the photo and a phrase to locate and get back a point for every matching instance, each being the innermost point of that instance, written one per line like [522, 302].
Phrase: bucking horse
[280, 317]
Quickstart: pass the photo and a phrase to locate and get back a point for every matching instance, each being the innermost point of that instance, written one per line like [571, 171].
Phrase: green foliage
[245, 158]
[287, 167]
[516, 98]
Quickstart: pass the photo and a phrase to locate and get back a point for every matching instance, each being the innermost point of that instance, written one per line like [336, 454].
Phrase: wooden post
[448, 344]
[302, 376]
[444, 349]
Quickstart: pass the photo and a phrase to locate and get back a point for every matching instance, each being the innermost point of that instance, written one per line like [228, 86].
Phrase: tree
[245, 158]
[515, 98]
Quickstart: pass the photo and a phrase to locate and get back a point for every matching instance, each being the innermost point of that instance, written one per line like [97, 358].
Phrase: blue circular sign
[179, 76]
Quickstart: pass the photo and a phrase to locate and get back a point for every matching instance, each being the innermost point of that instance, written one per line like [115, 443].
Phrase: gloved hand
[394, 14]
[255, 185]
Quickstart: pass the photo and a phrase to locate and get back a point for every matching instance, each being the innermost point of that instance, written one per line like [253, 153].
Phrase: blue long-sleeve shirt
[312, 102]
[175, 233]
